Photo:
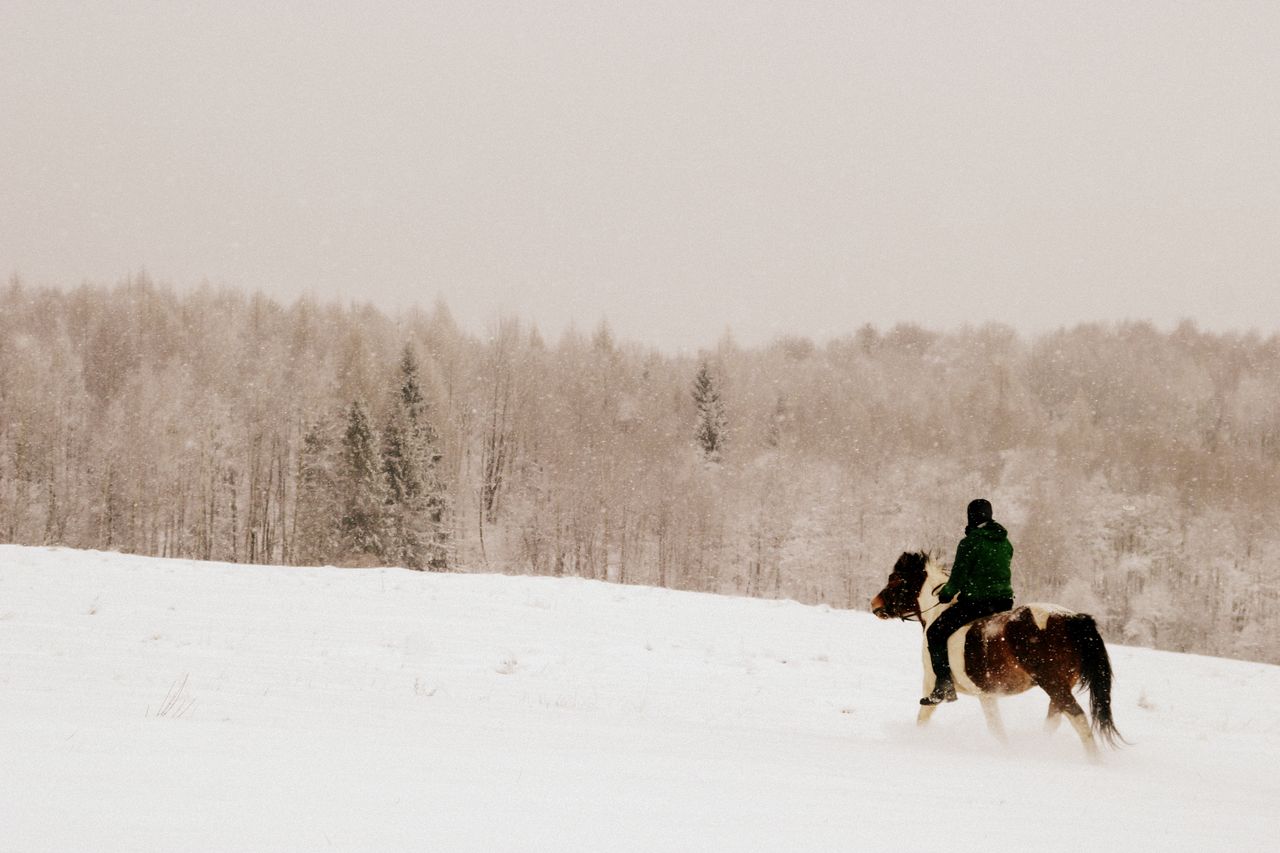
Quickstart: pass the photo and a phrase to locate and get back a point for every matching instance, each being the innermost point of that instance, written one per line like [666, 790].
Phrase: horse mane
[913, 561]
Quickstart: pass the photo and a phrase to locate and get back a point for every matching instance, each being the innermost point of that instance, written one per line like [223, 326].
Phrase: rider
[980, 577]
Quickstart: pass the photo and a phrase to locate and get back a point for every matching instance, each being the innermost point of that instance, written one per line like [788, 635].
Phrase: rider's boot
[944, 690]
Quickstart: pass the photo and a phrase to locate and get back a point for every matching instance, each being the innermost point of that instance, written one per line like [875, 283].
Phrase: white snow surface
[153, 704]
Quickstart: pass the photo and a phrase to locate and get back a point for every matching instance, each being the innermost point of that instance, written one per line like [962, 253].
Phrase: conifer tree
[319, 509]
[362, 522]
[710, 430]
[415, 499]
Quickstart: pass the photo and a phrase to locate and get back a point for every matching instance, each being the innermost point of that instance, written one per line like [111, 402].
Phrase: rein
[918, 615]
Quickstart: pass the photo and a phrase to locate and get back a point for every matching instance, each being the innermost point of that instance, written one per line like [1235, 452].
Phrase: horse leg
[1053, 719]
[1061, 701]
[994, 723]
[1075, 714]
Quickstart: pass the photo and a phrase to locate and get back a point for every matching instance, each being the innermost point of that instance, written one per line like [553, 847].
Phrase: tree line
[1136, 469]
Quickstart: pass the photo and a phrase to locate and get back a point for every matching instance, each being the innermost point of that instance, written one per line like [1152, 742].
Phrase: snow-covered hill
[168, 705]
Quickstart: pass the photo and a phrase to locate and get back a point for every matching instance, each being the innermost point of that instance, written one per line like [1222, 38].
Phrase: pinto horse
[1035, 645]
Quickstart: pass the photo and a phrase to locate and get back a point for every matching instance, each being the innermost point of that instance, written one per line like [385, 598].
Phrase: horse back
[1012, 651]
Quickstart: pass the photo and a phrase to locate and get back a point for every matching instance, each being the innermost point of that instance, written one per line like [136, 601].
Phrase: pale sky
[675, 167]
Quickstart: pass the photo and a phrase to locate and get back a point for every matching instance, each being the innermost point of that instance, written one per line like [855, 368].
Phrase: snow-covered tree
[710, 430]
[415, 534]
[362, 525]
[318, 508]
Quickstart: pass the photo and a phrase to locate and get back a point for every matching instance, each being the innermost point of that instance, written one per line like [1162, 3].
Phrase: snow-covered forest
[1136, 469]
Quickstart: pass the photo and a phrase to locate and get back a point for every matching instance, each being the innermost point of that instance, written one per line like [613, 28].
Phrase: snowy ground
[170, 705]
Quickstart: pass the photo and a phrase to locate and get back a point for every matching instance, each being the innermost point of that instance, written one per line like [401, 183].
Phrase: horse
[1035, 645]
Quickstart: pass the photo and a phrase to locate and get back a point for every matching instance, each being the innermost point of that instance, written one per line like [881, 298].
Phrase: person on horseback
[981, 580]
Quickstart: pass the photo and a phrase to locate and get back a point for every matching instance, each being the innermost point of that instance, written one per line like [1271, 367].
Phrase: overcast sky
[675, 167]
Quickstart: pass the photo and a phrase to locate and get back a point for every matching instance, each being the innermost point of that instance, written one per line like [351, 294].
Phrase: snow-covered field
[169, 705]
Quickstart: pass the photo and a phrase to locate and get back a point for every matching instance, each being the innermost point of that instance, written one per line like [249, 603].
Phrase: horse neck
[927, 599]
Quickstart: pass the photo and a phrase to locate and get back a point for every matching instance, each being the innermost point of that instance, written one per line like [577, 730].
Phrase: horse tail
[1095, 675]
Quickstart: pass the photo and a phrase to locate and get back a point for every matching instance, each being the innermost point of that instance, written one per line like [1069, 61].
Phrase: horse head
[900, 599]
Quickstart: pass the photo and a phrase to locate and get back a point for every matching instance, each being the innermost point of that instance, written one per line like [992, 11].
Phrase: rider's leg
[943, 627]
[954, 617]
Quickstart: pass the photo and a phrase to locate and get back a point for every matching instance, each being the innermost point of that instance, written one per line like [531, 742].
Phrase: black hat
[979, 512]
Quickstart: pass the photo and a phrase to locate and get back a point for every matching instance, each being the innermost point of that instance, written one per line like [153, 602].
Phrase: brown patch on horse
[1050, 655]
[991, 659]
[1009, 653]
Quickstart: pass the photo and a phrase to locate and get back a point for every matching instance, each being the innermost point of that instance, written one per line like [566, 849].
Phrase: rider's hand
[945, 597]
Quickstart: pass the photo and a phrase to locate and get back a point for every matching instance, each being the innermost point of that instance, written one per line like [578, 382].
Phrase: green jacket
[981, 567]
